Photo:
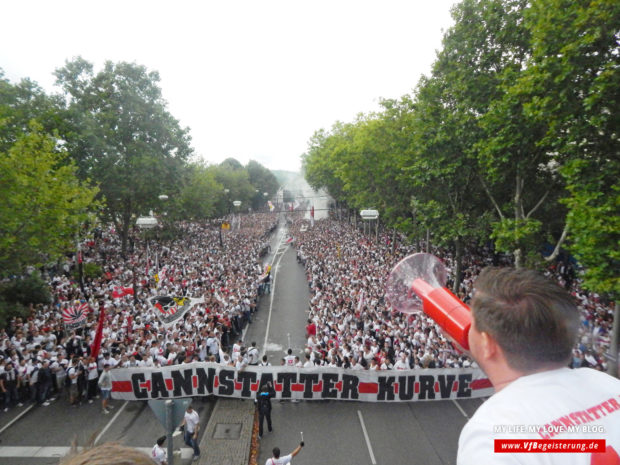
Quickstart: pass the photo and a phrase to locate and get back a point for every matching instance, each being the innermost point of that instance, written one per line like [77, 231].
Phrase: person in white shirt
[289, 358]
[523, 330]
[277, 460]
[253, 355]
[402, 363]
[158, 453]
[191, 425]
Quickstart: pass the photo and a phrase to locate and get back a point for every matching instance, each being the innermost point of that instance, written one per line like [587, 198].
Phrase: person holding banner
[523, 330]
[263, 403]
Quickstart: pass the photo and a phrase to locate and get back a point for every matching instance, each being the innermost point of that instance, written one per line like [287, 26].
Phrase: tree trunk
[125, 234]
[612, 367]
[458, 259]
[518, 254]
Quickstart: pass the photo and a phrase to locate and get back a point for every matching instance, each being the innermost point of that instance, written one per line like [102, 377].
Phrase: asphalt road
[334, 432]
[345, 432]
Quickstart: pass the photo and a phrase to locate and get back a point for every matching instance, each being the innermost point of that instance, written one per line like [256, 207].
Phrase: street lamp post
[237, 204]
[368, 215]
[143, 223]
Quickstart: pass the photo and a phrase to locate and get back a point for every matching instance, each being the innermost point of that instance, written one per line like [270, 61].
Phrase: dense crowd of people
[41, 358]
[350, 323]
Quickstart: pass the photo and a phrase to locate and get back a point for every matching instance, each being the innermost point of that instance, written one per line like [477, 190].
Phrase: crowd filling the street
[48, 357]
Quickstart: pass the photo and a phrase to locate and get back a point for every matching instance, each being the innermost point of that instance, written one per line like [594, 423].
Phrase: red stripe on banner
[278, 387]
[216, 381]
[396, 387]
[480, 384]
[121, 386]
[254, 386]
[194, 381]
[318, 387]
[169, 384]
[436, 387]
[416, 387]
[338, 386]
[368, 388]
[297, 387]
[146, 385]
[455, 386]
[238, 386]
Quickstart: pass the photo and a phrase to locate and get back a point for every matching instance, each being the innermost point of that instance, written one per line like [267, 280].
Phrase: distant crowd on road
[40, 358]
[349, 326]
[352, 326]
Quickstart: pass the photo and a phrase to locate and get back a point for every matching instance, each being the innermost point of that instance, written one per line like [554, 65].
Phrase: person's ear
[489, 347]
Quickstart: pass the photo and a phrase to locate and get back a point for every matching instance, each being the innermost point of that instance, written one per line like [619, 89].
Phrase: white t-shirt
[191, 420]
[556, 404]
[158, 454]
[281, 461]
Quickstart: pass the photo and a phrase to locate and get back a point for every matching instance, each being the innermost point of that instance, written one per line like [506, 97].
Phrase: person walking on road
[105, 384]
[253, 355]
[263, 402]
[191, 425]
[158, 453]
[277, 460]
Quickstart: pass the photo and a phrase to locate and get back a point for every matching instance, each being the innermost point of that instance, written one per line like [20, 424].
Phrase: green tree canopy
[122, 137]
[43, 202]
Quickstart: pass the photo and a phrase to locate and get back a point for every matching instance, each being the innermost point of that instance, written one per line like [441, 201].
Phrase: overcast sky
[251, 79]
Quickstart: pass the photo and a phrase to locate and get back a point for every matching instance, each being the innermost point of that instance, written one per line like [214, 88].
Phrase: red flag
[94, 349]
[312, 212]
[120, 291]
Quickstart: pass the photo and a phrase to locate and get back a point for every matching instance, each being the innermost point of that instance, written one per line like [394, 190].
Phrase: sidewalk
[228, 436]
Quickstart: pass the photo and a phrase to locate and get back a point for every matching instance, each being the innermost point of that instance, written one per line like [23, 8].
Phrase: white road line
[110, 422]
[372, 456]
[27, 409]
[272, 293]
[460, 408]
[51, 452]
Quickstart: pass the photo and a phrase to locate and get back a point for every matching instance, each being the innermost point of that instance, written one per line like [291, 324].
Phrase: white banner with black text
[201, 378]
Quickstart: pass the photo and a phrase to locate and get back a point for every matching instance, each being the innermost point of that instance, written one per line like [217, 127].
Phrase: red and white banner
[199, 379]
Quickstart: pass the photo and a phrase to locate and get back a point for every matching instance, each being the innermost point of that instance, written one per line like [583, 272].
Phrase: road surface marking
[27, 409]
[372, 456]
[110, 422]
[271, 293]
[460, 408]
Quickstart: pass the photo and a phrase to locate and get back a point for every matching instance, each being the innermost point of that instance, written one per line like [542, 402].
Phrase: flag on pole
[170, 309]
[94, 349]
[312, 216]
[75, 316]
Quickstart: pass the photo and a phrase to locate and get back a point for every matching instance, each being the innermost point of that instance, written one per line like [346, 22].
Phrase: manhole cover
[227, 431]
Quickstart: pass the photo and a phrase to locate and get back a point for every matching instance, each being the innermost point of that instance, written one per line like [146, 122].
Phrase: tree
[263, 181]
[236, 186]
[122, 137]
[43, 204]
[20, 104]
[200, 193]
[573, 86]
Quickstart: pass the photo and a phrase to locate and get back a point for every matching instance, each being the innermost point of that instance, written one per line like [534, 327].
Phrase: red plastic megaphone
[425, 275]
